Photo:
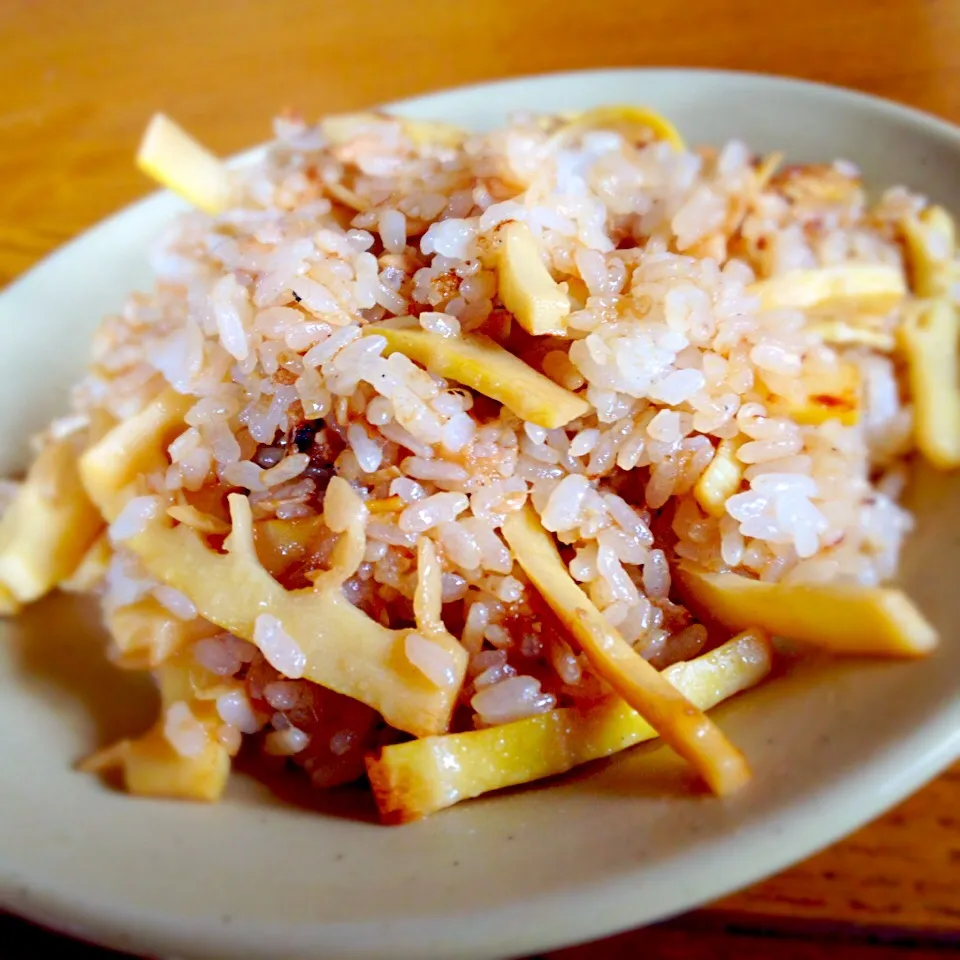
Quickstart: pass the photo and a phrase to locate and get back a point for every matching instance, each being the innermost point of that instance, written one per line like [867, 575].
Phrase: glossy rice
[258, 316]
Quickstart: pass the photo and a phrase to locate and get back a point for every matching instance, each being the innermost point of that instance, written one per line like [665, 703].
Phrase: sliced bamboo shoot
[134, 447]
[931, 241]
[526, 288]
[483, 365]
[152, 766]
[841, 333]
[832, 396]
[849, 619]
[721, 480]
[682, 725]
[48, 527]
[624, 118]
[337, 645]
[146, 634]
[91, 570]
[172, 157]
[870, 286]
[929, 337]
[411, 780]
[9, 605]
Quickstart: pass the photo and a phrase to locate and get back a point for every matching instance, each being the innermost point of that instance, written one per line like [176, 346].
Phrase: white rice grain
[183, 731]
[134, 518]
[281, 651]
[513, 698]
[393, 230]
[177, 603]
[286, 743]
[435, 663]
[422, 515]
[234, 708]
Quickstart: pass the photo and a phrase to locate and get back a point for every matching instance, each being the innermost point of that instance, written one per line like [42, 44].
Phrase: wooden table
[78, 79]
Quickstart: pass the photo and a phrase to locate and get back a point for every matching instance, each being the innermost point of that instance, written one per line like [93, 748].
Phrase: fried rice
[728, 400]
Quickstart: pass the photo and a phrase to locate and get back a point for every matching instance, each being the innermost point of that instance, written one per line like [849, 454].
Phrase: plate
[616, 845]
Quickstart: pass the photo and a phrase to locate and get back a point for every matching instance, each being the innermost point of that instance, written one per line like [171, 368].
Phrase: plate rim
[591, 909]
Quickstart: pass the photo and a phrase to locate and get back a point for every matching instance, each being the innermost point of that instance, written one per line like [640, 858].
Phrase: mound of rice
[258, 314]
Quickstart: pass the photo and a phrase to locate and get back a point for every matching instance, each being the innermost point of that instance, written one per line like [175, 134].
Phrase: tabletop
[79, 80]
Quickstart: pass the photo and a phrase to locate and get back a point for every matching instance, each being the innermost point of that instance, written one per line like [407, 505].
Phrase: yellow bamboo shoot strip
[526, 288]
[767, 168]
[152, 768]
[625, 118]
[150, 764]
[47, 528]
[145, 634]
[483, 365]
[931, 242]
[134, 447]
[172, 157]
[342, 648]
[721, 480]
[929, 338]
[875, 286]
[846, 619]
[840, 333]
[682, 725]
[9, 605]
[835, 396]
[91, 570]
[411, 780]
[200, 521]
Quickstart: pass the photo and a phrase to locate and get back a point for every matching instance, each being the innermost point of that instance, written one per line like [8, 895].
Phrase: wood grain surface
[78, 79]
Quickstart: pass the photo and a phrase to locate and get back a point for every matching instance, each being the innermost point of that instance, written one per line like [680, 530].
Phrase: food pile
[456, 460]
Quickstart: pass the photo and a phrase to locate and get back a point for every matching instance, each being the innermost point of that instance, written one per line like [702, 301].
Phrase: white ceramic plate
[612, 847]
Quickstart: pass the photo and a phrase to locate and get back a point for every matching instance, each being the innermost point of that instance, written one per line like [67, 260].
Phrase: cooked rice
[257, 314]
